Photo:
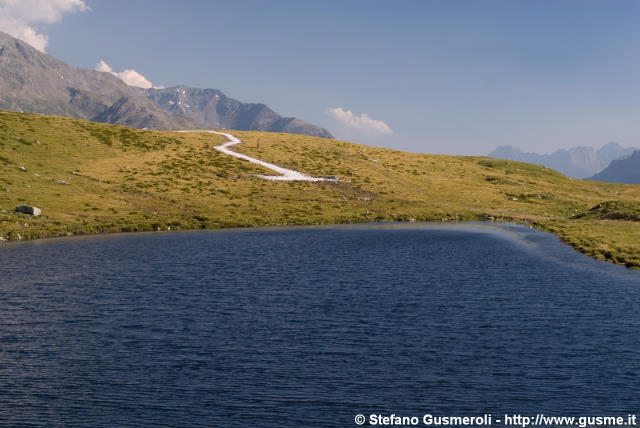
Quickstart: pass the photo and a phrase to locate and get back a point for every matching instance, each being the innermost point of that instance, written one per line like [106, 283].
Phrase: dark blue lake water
[309, 327]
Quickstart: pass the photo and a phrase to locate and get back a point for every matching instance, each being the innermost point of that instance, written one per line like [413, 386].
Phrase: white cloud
[130, 77]
[133, 78]
[362, 123]
[103, 66]
[18, 18]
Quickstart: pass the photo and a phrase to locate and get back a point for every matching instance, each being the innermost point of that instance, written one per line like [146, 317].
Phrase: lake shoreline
[105, 179]
[566, 239]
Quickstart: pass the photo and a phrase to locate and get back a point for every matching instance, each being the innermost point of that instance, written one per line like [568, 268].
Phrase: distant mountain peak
[577, 162]
[623, 170]
[214, 108]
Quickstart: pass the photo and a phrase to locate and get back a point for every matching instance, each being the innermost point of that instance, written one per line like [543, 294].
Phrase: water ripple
[302, 327]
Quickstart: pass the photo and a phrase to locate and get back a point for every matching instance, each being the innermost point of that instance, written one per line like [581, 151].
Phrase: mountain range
[625, 170]
[576, 162]
[212, 107]
[34, 82]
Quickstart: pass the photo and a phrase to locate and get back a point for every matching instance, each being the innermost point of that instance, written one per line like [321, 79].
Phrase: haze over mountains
[576, 162]
[625, 170]
[34, 82]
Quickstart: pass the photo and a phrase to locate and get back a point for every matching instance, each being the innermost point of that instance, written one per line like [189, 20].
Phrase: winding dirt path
[285, 174]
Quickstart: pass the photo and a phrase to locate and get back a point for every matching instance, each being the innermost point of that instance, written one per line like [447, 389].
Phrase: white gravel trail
[286, 174]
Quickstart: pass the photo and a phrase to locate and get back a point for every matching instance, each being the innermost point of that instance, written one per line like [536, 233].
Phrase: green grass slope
[91, 178]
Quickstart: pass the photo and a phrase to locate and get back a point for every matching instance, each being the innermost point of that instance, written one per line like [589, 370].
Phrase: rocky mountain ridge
[214, 108]
[35, 82]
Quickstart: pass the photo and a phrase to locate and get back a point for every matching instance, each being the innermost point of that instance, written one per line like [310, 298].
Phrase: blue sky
[446, 76]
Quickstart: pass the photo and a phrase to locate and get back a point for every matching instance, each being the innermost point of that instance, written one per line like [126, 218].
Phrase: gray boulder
[28, 209]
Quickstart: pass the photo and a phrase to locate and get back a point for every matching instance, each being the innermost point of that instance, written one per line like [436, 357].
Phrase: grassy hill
[90, 178]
